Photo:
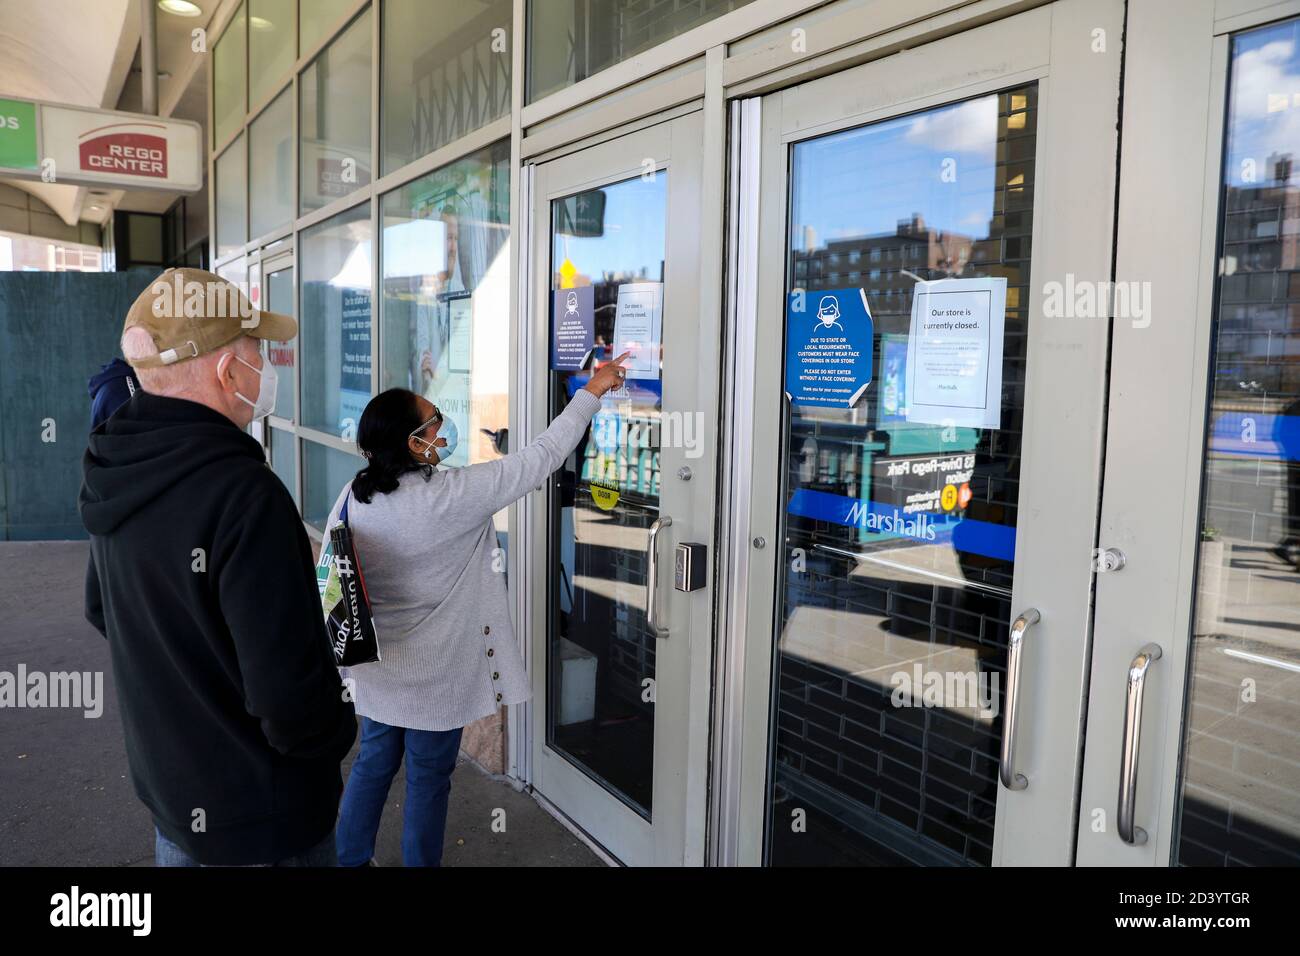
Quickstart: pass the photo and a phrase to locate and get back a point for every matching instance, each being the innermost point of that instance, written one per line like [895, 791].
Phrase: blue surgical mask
[451, 435]
[446, 431]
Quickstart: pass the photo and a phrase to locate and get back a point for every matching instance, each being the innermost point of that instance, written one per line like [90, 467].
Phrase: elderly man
[203, 581]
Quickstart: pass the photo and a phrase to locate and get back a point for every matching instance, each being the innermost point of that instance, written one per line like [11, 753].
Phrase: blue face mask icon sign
[828, 362]
[828, 312]
[573, 329]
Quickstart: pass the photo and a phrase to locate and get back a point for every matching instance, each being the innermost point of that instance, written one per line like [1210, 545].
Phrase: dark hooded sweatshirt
[109, 388]
[202, 579]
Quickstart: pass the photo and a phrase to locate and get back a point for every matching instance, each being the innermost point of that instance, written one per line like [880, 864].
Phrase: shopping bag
[348, 619]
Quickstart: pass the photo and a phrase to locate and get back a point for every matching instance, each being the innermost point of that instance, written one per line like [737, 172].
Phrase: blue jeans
[430, 760]
[167, 853]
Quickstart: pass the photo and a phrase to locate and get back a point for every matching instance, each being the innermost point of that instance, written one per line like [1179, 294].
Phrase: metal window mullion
[732, 566]
[340, 25]
[277, 234]
[210, 139]
[436, 159]
[246, 6]
[247, 192]
[376, 298]
[519, 717]
[335, 208]
[327, 439]
[299, 457]
[295, 177]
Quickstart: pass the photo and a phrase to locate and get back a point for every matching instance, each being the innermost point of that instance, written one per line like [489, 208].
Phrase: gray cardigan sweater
[439, 597]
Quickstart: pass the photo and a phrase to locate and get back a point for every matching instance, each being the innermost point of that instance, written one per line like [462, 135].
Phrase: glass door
[617, 659]
[281, 443]
[1193, 756]
[922, 506]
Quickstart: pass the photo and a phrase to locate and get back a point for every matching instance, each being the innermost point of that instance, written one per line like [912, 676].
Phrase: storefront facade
[1053, 627]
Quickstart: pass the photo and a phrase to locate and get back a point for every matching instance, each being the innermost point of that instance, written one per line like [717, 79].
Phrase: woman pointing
[426, 542]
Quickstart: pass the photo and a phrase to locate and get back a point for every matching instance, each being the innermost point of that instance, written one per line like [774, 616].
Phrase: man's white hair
[192, 379]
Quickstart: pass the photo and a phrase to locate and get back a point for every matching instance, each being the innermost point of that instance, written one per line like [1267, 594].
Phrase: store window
[334, 263]
[444, 77]
[899, 522]
[232, 199]
[235, 271]
[1239, 788]
[570, 40]
[282, 460]
[196, 225]
[279, 298]
[229, 80]
[334, 119]
[270, 167]
[316, 18]
[23, 253]
[174, 232]
[145, 238]
[325, 471]
[608, 248]
[446, 287]
[271, 48]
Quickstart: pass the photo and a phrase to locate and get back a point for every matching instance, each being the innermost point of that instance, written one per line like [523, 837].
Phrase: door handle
[1015, 647]
[1128, 769]
[652, 576]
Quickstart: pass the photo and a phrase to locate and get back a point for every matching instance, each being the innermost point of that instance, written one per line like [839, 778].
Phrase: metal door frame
[676, 836]
[1159, 388]
[1075, 175]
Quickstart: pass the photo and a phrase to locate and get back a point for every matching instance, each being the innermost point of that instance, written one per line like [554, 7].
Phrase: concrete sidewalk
[65, 799]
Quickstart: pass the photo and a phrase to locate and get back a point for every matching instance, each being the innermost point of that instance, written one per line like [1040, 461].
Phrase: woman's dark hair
[387, 422]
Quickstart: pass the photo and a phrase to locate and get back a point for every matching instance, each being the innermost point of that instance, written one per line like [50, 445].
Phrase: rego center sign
[71, 144]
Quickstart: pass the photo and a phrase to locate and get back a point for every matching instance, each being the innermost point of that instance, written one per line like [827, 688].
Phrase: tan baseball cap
[189, 312]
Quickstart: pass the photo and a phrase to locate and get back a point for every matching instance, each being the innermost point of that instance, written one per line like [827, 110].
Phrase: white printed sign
[638, 327]
[462, 331]
[954, 353]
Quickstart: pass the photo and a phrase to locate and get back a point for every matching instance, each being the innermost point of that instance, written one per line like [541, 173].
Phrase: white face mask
[267, 382]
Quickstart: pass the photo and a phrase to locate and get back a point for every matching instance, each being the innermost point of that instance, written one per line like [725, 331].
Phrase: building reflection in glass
[445, 265]
[856, 778]
[1239, 797]
[607, 243]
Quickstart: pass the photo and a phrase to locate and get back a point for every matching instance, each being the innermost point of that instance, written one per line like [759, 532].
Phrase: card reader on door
[689, 566]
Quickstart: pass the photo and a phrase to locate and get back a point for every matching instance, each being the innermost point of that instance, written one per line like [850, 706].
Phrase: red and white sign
[133, 149]
[126, 150]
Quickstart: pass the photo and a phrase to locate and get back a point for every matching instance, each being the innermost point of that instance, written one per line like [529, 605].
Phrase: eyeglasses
[435, 420]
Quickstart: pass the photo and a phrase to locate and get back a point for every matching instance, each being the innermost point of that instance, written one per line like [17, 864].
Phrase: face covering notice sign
[828, 339]
[954, 354]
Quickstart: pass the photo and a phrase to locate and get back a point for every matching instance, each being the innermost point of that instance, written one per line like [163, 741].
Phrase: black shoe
[1288, 551]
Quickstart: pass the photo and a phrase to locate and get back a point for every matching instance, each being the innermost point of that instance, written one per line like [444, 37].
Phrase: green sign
[18, 134]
